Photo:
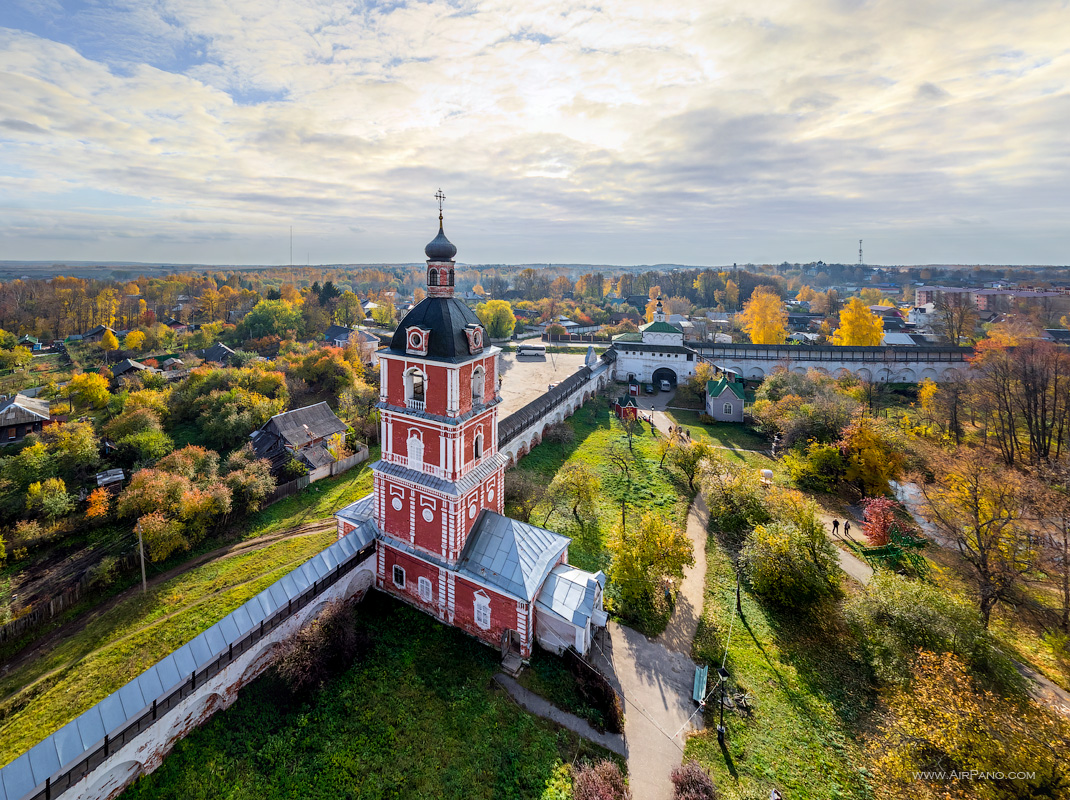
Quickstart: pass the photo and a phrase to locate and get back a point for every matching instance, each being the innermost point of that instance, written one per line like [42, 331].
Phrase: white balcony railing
[415, 405]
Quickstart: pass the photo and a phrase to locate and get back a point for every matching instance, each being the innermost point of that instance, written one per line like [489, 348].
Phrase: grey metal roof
[570, 592]
[469, 481]
[359, 511]
[60, 750]
[20, 409]
[511, 555]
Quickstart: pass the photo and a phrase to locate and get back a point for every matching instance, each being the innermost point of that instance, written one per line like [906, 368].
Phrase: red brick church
[442, 541]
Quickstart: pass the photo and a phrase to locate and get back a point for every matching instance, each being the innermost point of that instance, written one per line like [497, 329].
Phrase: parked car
[649, 388]
[666, 386]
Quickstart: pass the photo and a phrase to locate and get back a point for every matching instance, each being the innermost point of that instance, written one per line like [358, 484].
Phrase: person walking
[847, 528]
[835, 527]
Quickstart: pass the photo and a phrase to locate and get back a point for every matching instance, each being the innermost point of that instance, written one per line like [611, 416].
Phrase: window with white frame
[482, 607]
[414, 385]
[399, 577]
[479, 377]
[424, 586]
[477, 448]
[415, 449]
[727, 408]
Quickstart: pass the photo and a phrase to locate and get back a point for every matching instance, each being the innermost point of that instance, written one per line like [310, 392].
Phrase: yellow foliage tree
[108, 342]
[927, 397]
[135, 340]
[951, 727]
[805, 293]
[859, 327]
[764, 317]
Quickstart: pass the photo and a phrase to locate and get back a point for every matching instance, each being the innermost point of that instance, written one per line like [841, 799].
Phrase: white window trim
[728, 409]
[425, 589]
[394, 575]
[482, 607]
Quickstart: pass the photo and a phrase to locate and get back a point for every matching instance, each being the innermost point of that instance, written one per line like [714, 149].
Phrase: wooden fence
[43, 612]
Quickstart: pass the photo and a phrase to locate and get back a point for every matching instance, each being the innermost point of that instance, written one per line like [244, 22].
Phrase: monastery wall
[129, 733]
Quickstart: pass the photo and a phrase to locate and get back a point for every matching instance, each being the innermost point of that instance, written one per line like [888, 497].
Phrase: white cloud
[709, 132]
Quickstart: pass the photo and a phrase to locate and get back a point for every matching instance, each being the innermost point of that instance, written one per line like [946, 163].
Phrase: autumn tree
[384, 313]
[88, 389]
[135, 340]
[497, 318]
[98, 504]
[348, 312]
[764, 317]
[946, 724]
[687, 456]
[646, 554]
[523, 493]
[956, 316]
[108, 343]
[575, 486]
[981, 509]
[858, 326]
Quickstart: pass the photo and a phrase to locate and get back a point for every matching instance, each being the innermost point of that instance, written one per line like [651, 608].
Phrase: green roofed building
[724, 400]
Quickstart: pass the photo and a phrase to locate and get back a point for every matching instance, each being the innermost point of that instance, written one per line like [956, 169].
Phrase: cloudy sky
[622, 132]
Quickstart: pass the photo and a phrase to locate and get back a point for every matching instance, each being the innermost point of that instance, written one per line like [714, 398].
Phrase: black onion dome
[446, 318]
[440, 248]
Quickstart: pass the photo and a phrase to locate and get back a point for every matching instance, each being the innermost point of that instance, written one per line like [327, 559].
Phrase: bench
[699, 692]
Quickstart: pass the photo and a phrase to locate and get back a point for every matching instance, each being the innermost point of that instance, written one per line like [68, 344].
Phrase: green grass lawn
[316, 501]
[650, 487]
[811, 697]
[418, 716]
[56, 687]
[734, 440]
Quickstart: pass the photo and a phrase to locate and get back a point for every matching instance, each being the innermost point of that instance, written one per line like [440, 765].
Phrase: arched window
[728, 409]
[432, 278]
[414, 389]
[479, 379]
[415, 450]
[451, 277]
[477, 448]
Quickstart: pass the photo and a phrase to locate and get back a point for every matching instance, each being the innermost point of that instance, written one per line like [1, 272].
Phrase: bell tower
[439, 420]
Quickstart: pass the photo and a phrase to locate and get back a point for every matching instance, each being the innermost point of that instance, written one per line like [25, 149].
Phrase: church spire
[440, 252]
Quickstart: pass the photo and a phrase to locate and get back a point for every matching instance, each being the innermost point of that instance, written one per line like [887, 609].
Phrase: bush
[818, 467]
[596, 690]
[559, 433]
[103, 574]
[143, 447]
[324, 646]
[895, 617]
[691, 782]
[599, 781]
[734, 496]
[788, 567]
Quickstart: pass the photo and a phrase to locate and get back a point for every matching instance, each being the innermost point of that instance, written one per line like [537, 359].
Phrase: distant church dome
[440, 248]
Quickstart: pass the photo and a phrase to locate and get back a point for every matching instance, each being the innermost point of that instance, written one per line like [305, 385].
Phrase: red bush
[599, 781]
[878, 519]
[691, 782]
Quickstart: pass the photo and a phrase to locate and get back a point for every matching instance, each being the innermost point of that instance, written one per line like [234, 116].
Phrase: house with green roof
[725, 399]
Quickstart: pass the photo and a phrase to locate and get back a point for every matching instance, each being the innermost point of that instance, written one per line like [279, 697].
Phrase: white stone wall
[146, 752]
[521, 444]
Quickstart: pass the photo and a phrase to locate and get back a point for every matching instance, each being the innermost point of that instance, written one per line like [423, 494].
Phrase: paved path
[544, 708]
[854, 566]
[1040, 688]
[656, 677]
